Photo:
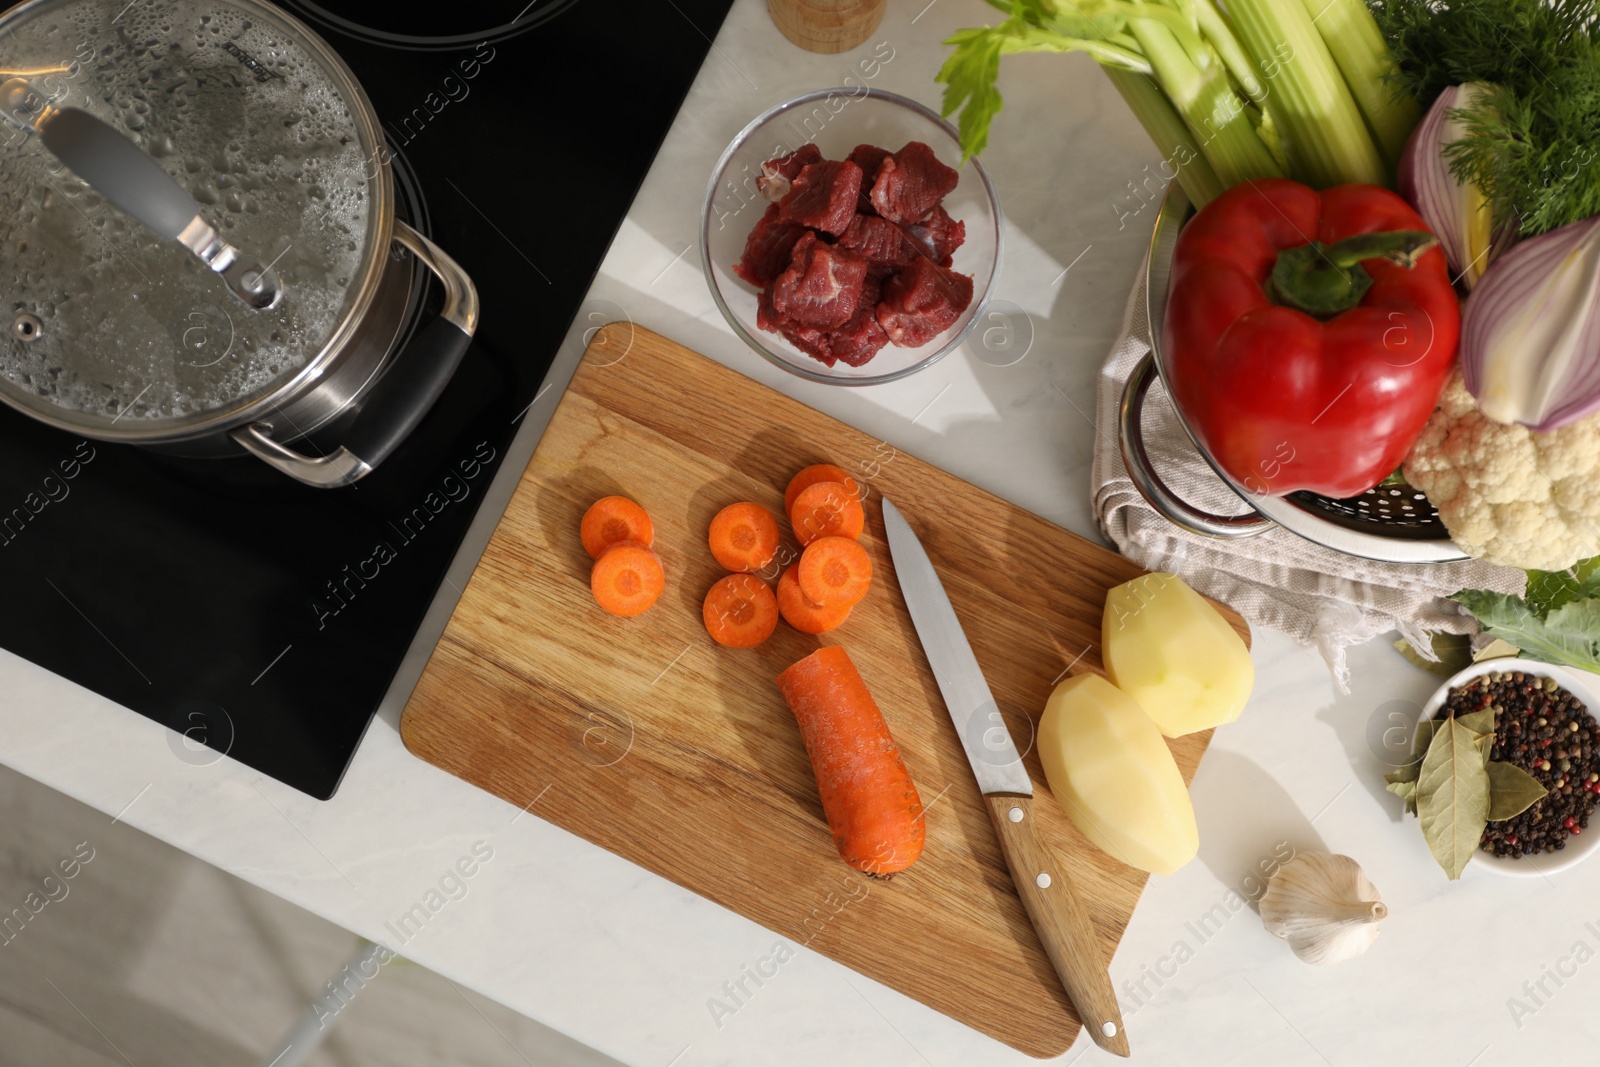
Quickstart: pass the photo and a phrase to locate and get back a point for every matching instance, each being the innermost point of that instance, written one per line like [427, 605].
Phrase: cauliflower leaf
[1548, 590]
[1568, 634]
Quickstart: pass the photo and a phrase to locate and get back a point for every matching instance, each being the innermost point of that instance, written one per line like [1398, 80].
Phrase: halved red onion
[1456, 212]
[1530, 335]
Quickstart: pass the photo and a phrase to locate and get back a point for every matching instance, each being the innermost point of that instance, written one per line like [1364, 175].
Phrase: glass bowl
[837, 120]
[1581, 685]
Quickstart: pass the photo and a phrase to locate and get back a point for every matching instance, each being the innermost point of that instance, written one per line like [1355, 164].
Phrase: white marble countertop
[628, 963]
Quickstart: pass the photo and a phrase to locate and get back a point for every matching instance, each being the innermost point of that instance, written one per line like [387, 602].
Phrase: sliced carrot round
[611, 519]
[627, 579]
[744, 537]
[740, 611]
[820, 472]
[826, 509]
[801, 612]
[835, 571]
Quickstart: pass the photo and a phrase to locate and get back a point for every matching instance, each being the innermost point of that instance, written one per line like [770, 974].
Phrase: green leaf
[1453, 653]
[1570, 634]
[1087, 18]
[1453, 796]
[1419, 748]
[969, 75]
[1480, 722]
[1549, 590]
[971, 72]
[1512, 791]
[1406, 791]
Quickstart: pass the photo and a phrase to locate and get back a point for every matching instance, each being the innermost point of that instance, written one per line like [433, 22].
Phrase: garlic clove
[1324, 906]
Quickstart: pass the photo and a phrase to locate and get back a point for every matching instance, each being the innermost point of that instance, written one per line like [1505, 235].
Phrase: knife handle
[1060, 920]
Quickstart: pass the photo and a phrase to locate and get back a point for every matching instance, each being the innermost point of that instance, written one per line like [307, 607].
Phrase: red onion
[1530, 335]
[1455, 212]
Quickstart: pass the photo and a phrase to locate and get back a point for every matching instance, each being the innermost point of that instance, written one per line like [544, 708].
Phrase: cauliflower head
[1507, 494]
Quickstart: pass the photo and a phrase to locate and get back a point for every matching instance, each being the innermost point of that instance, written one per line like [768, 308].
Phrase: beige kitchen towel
[1276, 579]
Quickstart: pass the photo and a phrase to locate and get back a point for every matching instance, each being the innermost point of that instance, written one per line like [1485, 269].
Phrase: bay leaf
[1453, 796]
[1451, 653]
[1419, 747]
[1512, 790]
[1406, 791]
[1499, 648]
[1481, 722]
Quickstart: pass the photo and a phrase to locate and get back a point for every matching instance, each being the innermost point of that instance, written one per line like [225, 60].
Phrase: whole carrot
[872, 805]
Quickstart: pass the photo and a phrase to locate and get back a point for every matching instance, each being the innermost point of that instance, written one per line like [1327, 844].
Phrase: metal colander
[1398, 509]
[1391, 523]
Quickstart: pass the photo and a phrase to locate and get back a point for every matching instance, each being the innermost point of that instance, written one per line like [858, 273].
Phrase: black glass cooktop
[265, 619]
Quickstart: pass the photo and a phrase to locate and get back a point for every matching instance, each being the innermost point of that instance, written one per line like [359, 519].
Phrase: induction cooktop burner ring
[533, 14]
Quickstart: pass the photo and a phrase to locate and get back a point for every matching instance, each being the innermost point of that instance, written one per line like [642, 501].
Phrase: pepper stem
[1324, 280]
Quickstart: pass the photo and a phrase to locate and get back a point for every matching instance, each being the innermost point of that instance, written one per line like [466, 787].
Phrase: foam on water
[134, 326]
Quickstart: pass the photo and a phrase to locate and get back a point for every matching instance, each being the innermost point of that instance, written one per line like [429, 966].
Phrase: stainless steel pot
[1390, 523]
[207, 257]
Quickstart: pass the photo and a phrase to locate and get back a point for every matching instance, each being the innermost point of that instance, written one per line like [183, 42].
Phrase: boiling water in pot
[131, 326]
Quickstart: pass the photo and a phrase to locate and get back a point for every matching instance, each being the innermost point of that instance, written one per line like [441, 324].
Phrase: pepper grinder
[827, 25]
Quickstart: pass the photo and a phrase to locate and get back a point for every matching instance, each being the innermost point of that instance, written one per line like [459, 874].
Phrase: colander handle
[1155, 492]
[119, 171]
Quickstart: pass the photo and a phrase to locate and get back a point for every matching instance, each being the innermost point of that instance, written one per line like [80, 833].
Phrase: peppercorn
[1530, 714]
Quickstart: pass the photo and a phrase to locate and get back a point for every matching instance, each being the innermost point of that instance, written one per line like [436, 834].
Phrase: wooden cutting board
[644, 737]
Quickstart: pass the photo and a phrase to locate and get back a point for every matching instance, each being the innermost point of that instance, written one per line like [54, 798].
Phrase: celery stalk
[1358, 47]
[1220, 36]
[1205, 99]
[1322, 129]
[1172, 138]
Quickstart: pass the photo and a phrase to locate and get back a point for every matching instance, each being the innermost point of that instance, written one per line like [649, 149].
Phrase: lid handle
[119, 170]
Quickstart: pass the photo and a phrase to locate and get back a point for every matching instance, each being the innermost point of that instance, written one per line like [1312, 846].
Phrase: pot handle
[127, 178]
[1155, 492]
[406, 392]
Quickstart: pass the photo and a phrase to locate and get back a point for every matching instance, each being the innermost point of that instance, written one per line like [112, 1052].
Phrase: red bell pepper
[1308, 335]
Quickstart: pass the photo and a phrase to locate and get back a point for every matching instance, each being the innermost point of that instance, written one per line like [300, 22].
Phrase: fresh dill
[1531, 143]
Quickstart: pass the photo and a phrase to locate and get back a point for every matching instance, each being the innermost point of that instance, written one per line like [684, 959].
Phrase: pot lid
[111, 328]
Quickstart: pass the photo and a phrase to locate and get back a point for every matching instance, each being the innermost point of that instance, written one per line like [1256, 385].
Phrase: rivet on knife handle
[1060, 920]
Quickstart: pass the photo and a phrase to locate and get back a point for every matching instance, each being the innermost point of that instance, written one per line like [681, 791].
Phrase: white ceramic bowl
[1580, 684]
[838, 120]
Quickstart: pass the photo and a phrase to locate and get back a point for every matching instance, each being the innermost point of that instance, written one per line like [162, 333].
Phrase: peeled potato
[1110, 769]
[1170, 650]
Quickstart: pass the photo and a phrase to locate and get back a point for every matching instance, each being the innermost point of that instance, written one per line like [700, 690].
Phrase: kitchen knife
[1057, 914]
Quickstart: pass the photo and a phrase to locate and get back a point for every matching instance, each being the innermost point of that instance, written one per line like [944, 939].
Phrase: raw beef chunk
[767, 316]
[856, 342]
[911, 183]
[921, 302]
[879, 242]
[939, 235]
[822, 286]
[776, 174]
[792, 164]
[824, 196]
[855, 255]
[768, 249]
[869, 158]
[860, 339]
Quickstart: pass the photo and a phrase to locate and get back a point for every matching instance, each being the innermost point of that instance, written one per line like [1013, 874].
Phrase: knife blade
[1058, 916]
